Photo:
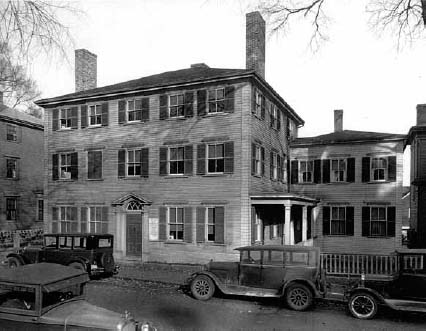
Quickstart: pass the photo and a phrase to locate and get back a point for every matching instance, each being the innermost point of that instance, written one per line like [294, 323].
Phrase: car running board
[408, 305]
[250, 291]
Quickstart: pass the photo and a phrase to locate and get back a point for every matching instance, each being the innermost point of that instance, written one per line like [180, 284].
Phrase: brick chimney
[421, 114]
[85, 70]
[255, 43]
[338, 120]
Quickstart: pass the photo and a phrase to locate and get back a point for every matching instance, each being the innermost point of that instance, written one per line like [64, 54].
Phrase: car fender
[206, 273]
[81, 260]
[306, 282]
[371, 291]
[18, 256]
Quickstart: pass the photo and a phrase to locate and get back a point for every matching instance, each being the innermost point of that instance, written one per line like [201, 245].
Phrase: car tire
[202, 287]
[77, 265]
[363, 305]
[13, 262]
[298, 297]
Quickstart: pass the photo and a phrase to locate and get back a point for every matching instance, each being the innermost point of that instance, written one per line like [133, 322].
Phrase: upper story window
[177, 160]
[275, 117]
[216, 100]
[65, 166]
[260, 104]
[134, 110]
[11, 132]
[94, 164]
[378, 168]
[65, 116]
[378, 221]
[258, 160]
[95, 115]
[215, 158]
[176, 105]
[133, 162]
[274, 165]
[306, 171]
[338, 170]
[12, 168]
[40, 209]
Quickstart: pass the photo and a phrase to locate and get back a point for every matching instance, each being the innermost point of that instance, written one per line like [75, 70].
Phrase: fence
[9, 239]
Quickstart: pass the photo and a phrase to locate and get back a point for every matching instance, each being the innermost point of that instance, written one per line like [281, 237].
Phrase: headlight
[126, 326]
[147, 327]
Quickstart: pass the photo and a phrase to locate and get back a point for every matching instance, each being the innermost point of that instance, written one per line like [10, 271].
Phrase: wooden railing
[412, 262]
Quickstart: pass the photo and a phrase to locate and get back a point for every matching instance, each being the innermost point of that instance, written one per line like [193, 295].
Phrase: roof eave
[361, 141]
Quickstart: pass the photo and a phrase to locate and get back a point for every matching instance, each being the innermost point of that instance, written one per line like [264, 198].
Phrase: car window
[65, 242]
[273, 257]
[50, 241]
[52, 298]
[17, 297]
[80, 242]
[104, 242]
[297, 257]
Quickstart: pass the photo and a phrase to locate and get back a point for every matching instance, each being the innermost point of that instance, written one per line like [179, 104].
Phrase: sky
[356, 70]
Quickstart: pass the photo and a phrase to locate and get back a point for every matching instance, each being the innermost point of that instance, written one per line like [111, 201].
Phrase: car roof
[292, 248]
[40, 274]
[76, 234]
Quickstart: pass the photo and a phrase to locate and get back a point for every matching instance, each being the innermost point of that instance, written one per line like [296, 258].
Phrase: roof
[273, 197]
[277, 247]
[347, 136]
[19, 117]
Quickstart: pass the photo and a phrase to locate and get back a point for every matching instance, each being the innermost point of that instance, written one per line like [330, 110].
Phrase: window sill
[64, 129]
[65, 180]
[12, 179]
[258, 117]
[133, 122]
[95, 179]
[132, 177]
[379, 237]
[175, 242]
[13, 141]
[215, 175]
[338, 235]
[257, 176]
[175, 176]
[94, 126]
[222, 113]
[380, 182]
[211, 243]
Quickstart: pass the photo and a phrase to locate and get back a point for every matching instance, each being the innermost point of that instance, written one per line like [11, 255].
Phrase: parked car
[47, 296]
[89, 252]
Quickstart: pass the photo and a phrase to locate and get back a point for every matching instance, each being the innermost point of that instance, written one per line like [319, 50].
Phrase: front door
[134, 235]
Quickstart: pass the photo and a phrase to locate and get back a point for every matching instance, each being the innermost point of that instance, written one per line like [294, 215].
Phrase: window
[216, 100]
[11, 132]
[338, 221]
[11, 209]
[65, 166]
[68, 219]
[378, 221]
[177, 161]
[274, 166]
[306, 171]
[211, 224]
[94, 164]
[11, 168]
[40, 209]
[97, 219]
[134, 110]
[95, 115]
[378, 168]
[258, 159]
[176, 221]
[176, 105]
[338, 170]
[274, 117]
[65, 116]
[259, 105]
[133, 164]
[215, 158]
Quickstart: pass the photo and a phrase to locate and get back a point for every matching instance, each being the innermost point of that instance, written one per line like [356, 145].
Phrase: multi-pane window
[12, 132]
[11, 209]
[65, 166]
[133, 162]
[176, 105]
[12, 168]
[306, 171]
[176, 161]
[259, 104]
[40, 209]
[378, 221]
[68, 219]
[94, 164]
[216, 158]
[274, 116]
[378, 168]
[176, 221]
[134, 110]
[274, 166]
[95, 115]
[338, 170]
[216, 100]
[338, 221]
[257, 161]
[96, 221]
[65, 116]
[211, 224]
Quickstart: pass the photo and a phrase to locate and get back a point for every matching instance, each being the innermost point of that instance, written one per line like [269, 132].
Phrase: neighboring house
[21, 170]
[357, 177]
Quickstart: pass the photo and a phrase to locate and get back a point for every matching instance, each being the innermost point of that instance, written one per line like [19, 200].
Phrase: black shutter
[163, 161]
[201, 102]
[271, 168]
[325, 220]
[349, 221]
[121, 111]
[187, 225]
[55, 119]
[145, 162]
[253, 101]
[91, 165]
[164, 111]
[229, 99]
[253, 159]
[105, 117]
[201, 159]
[74, 165]
[229, 157]
[189, 104]
[392, 168]
[326, 171]
[365, 221]
[162, 223]
[278, 119]
[279, 168]
[55, 167]
[145, 109]
[83, 116]
[262, 109]
[350, 168]
[294, 172]
[201, 223]
[83, 219]
[219, 213]
[188, 157]
[253, 225]
[74, 117]
[391, 216]
[122, 163]
[365, 169]
[317, 171]
[262, 158]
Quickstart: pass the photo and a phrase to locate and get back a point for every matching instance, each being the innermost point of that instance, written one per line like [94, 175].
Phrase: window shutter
[271, 119]
[309, 223]
[201, 224]
[83, 116]
[55, 119]
[279, 168]
[144, 162]
[271, 168]
[253, 158]
[201, 102]
[55, 167]
[145, 109]
[189, 104]
[365, 169]
[121, 163]
[188, 159]
[294, 172]
[391, 216]
[83, 219]
[229, 99]
[317, 171]
[262, 153]
[326, 171]
[253, 225]
[325, 220]
[201, 159]
[349, 221]
[121, 111]
[219, 225]
[253, 101]
[229, 157]
[19, 134]
[162, 223]
[74, 165]
[90, 165]
[99, 163]
[74, 117]
[163, 161]
[392, 168]
[105, 117]
[278, 119]
[187, 226]
[105, 221]
[262, 110]
[164, 111]
[350, 177]
[365, 221]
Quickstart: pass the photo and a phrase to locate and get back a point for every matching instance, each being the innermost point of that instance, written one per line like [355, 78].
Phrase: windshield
[52, 298]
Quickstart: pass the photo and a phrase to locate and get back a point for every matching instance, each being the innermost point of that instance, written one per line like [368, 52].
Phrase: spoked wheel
[13, 262]
[362, 305]
[299, 297]
[202, 287]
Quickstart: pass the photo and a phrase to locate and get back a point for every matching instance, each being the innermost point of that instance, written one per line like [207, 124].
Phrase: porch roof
[275, 198]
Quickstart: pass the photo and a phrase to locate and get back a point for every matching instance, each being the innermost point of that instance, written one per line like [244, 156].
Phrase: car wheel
[362, 305]
[77, 265]
[13, 262]
[298, 297]
[202, 287]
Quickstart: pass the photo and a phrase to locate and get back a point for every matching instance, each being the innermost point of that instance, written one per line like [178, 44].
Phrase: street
[169, 307]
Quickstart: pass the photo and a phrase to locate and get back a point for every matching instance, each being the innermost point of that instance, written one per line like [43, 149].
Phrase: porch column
[287, 225]
[304, 223]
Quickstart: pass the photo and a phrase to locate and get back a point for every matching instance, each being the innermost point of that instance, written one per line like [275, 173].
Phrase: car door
[273, 269]
[410, 285]
[250, 268]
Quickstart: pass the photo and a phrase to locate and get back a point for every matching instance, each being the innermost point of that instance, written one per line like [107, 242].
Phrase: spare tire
[107, 262]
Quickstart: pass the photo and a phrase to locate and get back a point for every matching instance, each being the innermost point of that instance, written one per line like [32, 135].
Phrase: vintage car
[290, 272]
[89, 252]
[47, 296]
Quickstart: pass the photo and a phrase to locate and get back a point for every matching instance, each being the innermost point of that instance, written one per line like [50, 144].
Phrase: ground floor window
[94, 219]
[378, 221]
[40, 209]
[338, 220]
[64, 219]
[176, 221]
[11, 209]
